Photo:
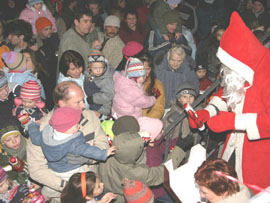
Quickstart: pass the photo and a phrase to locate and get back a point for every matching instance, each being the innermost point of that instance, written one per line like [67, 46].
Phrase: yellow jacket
[157, 110]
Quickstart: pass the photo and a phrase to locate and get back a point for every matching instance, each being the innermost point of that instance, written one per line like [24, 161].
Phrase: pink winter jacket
[30, 14]
[129, 98]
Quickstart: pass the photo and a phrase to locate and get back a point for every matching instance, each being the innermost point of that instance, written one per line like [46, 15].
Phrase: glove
[203, 116]
[156, 93]
[185, 143]
[224, 121]
[22, 192]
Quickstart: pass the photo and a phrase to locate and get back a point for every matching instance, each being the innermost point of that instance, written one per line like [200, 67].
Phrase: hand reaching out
[111, 150]
[108, 197]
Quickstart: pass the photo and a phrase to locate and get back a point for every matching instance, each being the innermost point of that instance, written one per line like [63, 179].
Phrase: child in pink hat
[29, 106]
[61, 137]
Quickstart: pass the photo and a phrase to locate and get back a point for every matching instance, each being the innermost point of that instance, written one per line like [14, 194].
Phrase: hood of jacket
[129, 147]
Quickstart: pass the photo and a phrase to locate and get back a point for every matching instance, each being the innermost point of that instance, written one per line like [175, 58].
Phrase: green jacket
[123, 165]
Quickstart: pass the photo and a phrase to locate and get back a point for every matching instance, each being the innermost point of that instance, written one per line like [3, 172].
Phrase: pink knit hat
[64, 118]
[3, 175]
[132, 48]
[151, 125]
[31, 90]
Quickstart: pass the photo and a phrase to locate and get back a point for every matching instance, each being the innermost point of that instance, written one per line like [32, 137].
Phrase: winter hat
[136, 192]
[15, 61]
[125, 124]
[171, 17]
[41, 23]
[3, 49]
[96, 56]
[186, 88]
[134, 68]
[201, 64]
[31, 90]
[3, 81]
[33, 2]
[170, 2]
[7, 131]
[261, 1]
[230, 51]
[112, 21]
[132, 48]
[151, 125]
[3, 175]
[64, 118]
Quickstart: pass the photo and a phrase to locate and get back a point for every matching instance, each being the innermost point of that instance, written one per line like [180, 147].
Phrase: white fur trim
[236, 65]
[219, 103]
[248, 123]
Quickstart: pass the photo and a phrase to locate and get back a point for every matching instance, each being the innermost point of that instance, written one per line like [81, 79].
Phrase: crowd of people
[87, 88]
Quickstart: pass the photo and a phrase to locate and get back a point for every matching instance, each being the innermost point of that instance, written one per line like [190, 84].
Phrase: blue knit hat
[33, 2]
[134, 68]
[170, 2]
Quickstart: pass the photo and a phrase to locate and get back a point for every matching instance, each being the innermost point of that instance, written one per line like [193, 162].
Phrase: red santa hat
[240, 50]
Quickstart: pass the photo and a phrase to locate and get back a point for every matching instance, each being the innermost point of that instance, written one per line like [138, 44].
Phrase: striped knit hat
[136, 192]
[96, 56]
[134, 68]
[31, 90]
[7, 131]
[15, 61]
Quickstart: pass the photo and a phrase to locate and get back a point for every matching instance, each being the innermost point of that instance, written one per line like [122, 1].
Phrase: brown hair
[206, 176]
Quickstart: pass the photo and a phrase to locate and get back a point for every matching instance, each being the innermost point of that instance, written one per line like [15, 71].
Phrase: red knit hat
[64, 118]
[236, 38]
[136, 192]
[31, 90]
[41, 23]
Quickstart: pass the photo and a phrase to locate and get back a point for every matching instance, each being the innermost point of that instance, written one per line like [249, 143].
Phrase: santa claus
[242, 105]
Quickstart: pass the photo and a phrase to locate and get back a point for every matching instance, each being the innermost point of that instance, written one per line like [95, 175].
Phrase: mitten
[222, 122]
[185, 143]
[23, 118]
[156, 93]
[90, 100]
[21, 193]
[203, 116]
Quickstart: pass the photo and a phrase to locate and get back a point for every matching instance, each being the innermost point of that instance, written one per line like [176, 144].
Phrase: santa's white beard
[233, 85]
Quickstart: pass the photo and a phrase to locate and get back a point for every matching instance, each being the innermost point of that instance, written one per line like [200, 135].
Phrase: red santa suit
[250, 120]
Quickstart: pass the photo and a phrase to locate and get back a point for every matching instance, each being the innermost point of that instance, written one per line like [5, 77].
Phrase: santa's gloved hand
[21, 193]
[203, 116]
[185, 143]
[224, 121]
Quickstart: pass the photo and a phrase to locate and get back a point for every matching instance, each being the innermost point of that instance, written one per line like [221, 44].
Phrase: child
[186, 94]
[201, 71]
[19, 72]
[13, 145]
[136, 191]
[10, 191]
[62, 137]
[85, 187]
[29, 106]
[130, 97]
[34, 10]
[98, 85]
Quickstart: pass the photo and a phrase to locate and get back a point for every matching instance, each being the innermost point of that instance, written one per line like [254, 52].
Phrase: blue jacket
[56, 151]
